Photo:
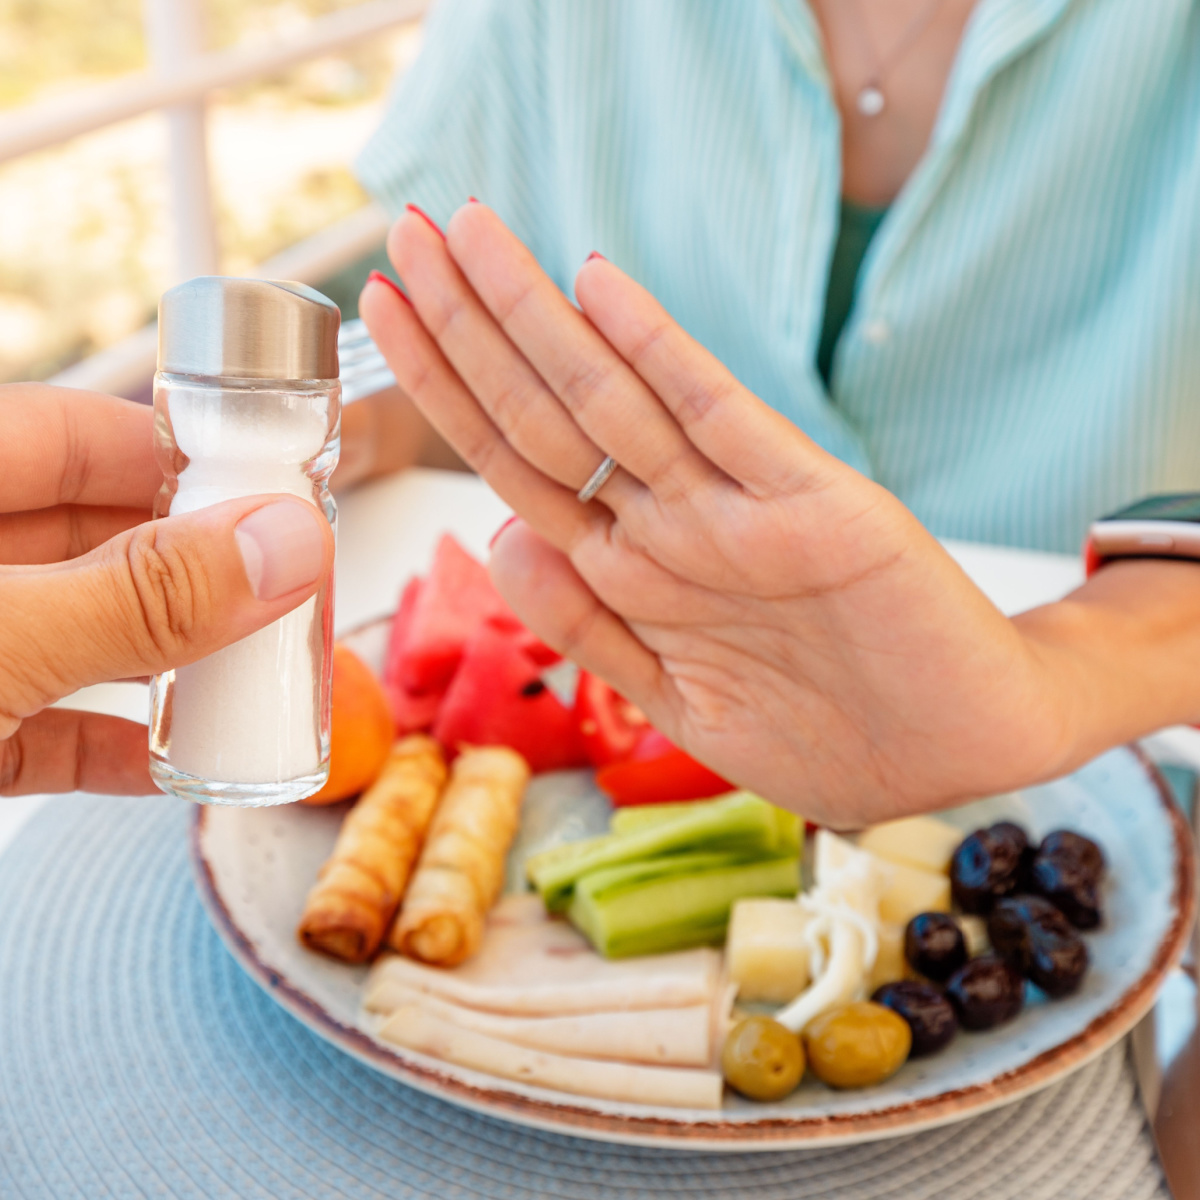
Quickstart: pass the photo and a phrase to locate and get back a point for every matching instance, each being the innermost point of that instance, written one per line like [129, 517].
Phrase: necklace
[870, 100]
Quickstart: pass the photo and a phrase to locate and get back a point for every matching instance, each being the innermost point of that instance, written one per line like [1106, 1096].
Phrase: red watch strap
[1092, 562]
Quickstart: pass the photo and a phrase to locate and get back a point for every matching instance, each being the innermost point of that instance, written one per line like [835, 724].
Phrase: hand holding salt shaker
[247, 401]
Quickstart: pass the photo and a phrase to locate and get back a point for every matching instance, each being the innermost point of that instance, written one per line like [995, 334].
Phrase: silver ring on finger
[598, 480]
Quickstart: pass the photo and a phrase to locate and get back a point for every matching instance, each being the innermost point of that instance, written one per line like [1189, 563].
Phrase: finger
[156, 597]
[600, 391]
[64, 446]
[66, 531]
[731, 426]
[423, 372]
[509, 390]
[61, 750]
[548, 594]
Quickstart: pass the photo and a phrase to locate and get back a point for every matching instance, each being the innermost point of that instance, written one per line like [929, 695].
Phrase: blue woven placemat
[136, 1060]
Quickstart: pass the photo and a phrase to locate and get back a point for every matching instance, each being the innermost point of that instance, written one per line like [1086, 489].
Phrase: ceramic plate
[255, 866]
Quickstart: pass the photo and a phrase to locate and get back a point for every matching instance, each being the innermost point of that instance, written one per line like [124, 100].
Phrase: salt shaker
[247, 401]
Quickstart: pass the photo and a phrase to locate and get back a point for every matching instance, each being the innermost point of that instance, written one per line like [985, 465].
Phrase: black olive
[1012, 921]
[934, 945]
[986, 993]
[929, 1014]
[1063, 843]
[1066, 883]
[1013, 832]
[1034, 937]
[986, 865]
[1057, 964]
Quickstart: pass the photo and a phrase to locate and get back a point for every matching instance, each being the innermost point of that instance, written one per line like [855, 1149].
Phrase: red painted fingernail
[595, 254]
[380, 277]
[496, 535]
[427, 219]
[472, 200]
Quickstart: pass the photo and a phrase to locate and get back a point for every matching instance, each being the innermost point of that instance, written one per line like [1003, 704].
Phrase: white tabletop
[387, 531]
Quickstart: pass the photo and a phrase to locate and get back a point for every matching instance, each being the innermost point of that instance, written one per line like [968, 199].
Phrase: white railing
[181, 78]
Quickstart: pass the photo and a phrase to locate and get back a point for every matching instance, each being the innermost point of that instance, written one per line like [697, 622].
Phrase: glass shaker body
[248, 725]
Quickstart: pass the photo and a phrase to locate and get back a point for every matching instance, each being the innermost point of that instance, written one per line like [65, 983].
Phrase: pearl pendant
[870, 101]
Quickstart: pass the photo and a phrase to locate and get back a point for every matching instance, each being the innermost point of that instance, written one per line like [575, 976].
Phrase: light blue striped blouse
[1024, 349]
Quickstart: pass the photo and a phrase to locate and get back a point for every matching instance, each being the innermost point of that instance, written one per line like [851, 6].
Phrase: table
[111, 912]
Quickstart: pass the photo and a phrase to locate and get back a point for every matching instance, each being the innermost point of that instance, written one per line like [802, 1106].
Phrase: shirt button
[877, 332]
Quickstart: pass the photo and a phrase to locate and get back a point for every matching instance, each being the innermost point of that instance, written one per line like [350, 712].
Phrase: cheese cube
[922, 842]
[890, 964]
[833, 854]
[910, 891]
[765, 950]
[975, 934]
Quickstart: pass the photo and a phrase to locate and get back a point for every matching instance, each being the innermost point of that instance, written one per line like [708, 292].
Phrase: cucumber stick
[671, 903]
[648, 816]
[738, 823]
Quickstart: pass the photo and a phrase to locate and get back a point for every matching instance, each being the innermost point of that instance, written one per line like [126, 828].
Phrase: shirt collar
[802, 33]
[996, 34]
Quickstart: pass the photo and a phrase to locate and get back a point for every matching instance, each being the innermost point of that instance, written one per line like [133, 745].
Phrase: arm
[779, 615]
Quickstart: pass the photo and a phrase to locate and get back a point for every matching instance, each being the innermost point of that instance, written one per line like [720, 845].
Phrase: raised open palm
[773, 611]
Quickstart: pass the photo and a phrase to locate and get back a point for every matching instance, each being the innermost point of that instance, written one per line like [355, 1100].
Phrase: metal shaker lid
[247, 329]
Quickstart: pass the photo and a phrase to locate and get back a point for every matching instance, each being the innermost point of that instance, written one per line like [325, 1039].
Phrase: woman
[1024, 346]
[1023, 353]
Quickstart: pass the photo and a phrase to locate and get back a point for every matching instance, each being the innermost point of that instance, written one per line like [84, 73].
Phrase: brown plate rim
[768, 1133]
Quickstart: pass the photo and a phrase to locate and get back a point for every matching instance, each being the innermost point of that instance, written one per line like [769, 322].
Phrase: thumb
[156, 597]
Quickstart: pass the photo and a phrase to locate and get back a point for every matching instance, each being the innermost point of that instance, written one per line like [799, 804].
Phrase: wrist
[1120, 653]
[1060, 638]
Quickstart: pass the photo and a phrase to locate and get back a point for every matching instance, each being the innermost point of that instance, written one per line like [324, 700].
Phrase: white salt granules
[249, 713]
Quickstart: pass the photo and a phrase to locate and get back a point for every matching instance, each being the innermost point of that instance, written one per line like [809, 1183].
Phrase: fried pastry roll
[358, 890]
[461, 869]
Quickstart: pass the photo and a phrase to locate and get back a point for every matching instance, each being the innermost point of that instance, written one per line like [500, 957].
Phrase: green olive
[857, 1045]
[762, 1059]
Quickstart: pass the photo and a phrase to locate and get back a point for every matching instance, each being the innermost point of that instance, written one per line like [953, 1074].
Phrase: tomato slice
[609, 726]
[657, 773]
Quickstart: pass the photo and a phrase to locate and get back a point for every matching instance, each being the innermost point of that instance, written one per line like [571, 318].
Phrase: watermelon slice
[451, 604]
[401, 623]
[527, 641]
[497, 698]
[413, 712]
